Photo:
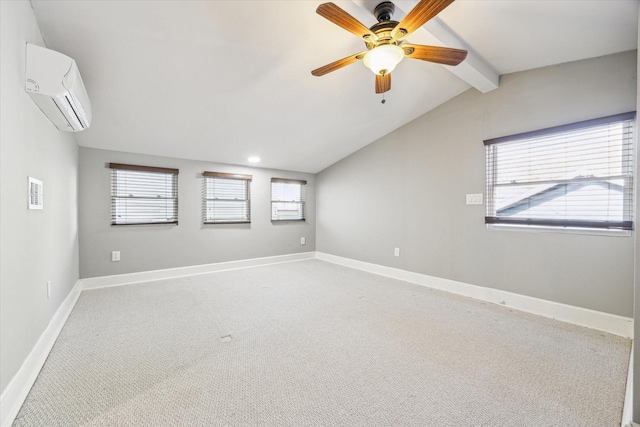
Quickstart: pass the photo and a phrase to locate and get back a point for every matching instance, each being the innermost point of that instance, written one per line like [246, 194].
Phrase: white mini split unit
[55, 85]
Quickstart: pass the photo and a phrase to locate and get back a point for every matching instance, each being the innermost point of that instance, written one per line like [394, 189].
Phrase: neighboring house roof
[575, 198]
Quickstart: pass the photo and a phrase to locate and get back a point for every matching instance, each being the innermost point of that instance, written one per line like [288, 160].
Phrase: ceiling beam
[474, 70]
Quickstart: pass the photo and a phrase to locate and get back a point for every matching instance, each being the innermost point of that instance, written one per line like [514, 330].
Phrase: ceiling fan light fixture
[383, 59]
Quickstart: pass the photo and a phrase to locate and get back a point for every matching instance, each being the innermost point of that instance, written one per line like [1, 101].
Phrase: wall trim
[627, 409]
[171, 273]
[18, 388]
[611, 323]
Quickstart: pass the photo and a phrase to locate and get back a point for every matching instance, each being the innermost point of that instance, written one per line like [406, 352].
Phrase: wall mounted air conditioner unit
[55, 85]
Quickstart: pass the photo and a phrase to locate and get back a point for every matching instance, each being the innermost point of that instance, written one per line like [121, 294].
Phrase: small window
[143, 195]
[288, 200]
[573, 176]
[226, 198]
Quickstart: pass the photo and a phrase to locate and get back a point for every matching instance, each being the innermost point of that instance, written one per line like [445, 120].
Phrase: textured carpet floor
[310, 343]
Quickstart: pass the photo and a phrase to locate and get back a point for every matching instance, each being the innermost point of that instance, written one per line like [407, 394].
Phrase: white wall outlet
[396, 252]
[48, 288]
[474, 199]
[303, 240]
[115, 256]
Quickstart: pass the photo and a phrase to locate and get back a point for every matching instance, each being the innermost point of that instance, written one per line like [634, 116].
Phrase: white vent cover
[35, 194]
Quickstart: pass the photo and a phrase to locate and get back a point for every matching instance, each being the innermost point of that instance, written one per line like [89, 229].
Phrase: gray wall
[36, 246]
[152, 247]
[408, 189]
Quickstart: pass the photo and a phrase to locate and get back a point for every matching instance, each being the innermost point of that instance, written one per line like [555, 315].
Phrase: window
[143, 195]
[226, 198]
[288, 200]
[578, 175]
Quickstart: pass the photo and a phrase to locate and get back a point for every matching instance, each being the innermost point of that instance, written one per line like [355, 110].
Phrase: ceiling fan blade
[383, 83]
[439, 55]
[342, 19]
[336, 65]
[416, 18]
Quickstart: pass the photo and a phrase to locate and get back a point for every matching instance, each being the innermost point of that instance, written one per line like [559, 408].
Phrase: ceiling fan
[385, 41]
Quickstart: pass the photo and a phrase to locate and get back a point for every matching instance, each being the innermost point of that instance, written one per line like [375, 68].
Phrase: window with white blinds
[288, 200]
[227, 198]
[575, 176]
[143, 195]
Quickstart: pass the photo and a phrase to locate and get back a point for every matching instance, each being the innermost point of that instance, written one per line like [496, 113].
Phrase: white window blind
[143, 195]
[578, 175]
[227, 198]
[288, 200]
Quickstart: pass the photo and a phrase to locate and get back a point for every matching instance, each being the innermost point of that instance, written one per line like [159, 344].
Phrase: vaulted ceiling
[224, 80]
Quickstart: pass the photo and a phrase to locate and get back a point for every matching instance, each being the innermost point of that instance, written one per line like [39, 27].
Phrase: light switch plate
[474, 199]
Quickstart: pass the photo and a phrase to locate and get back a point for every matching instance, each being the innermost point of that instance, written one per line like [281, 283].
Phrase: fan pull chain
[383, 100]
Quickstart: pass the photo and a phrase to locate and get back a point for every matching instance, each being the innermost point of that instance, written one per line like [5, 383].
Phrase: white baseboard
[171, 273]
[18, 388]
[611, 323]
[627, 409]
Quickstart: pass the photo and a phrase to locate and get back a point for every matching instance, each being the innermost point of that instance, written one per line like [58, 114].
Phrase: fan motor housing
[383, 31]
[383, 13]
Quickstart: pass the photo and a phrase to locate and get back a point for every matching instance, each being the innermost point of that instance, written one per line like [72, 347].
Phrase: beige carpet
[309, 343]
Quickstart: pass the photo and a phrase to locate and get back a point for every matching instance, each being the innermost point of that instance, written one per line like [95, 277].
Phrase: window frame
[626, 225]
[232, 177]
[115, 167]
[302, 202]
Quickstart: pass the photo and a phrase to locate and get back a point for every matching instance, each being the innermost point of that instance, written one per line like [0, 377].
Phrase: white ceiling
[223, 80]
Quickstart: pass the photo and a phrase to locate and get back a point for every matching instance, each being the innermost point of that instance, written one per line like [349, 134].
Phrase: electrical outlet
[115, 256]
[303, 240]
[396, 252]
[48, 288]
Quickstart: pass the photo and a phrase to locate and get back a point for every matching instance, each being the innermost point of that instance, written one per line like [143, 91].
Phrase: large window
[226, 198]
[578, 175]
[143, 195]
[288, 200]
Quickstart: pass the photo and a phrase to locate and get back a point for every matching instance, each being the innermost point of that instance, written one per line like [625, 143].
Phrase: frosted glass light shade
[383, 59]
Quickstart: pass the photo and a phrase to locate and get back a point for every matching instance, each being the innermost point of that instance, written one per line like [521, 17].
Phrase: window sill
[225, 222]
[560, 230]
[144, 223]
